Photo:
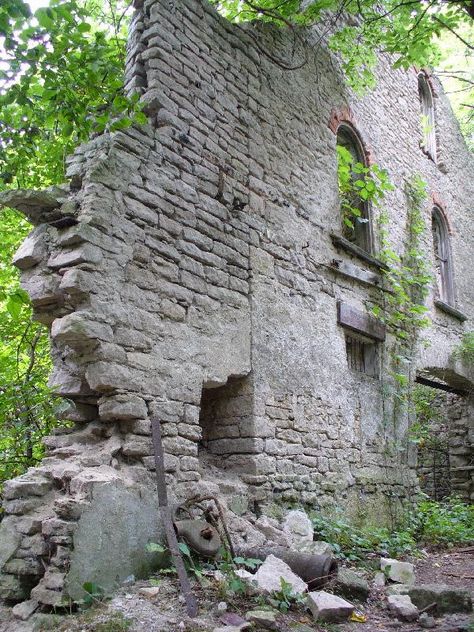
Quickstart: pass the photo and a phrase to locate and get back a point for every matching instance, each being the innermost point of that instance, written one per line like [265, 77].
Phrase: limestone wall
[200, 252]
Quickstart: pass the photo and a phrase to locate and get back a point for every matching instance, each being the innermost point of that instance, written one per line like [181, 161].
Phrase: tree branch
[451, 30]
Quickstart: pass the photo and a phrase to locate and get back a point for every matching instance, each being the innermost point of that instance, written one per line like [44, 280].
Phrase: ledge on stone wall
[344, 244]
[348, 269]
[449, 309]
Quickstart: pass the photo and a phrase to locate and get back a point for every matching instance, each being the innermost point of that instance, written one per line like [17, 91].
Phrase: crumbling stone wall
[201, 251]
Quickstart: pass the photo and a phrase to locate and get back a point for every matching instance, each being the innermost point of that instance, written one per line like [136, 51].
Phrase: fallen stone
[403, 607]
[272, 571]
[426, 620]
[398, 589]
[149, 592]
[298, 527]
[400, 572]
[263, 618]
[318, 547]
[25, 609]
[329, 608]
[351, 585]
[271, 530]
[447, 598]
[379, 580]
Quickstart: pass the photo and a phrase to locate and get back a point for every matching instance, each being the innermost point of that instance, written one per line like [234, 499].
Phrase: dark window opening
[427, 116]
[360, 233]
[442, 257]
[362, 355]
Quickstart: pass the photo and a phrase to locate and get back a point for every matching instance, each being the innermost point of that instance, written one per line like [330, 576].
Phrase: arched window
[427, 116]
[355, 228]
[442, 255]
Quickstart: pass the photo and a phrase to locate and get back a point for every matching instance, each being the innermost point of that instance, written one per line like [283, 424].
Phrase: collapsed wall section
[192, 272]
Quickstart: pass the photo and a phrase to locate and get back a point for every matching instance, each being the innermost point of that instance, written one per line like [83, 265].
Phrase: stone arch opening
[356, 229]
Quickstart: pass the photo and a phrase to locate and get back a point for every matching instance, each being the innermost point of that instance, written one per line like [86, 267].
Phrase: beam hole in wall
[226, 422]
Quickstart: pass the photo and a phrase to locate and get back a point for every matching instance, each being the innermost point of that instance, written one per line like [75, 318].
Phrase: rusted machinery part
[199, 499]
[200, 536]
[315, 570]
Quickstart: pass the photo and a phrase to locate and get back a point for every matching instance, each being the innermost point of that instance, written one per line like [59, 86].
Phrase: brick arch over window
[360, 230]
[428, 121]
[442, 256]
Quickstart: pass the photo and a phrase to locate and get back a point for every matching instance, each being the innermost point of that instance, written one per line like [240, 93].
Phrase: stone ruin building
[195, 269]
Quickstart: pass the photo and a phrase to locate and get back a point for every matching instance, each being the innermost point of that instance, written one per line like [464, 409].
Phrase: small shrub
[284, 598]
[449, 522]
[429, 523]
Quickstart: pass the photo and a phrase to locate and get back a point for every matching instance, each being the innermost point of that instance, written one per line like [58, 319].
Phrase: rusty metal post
[167, 516]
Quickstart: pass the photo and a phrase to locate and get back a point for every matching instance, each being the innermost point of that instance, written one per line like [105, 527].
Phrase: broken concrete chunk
[298, 527]
[272, 571]
[400, 572]
[33, 250]
[351, 585]
[447, 598]
[329, 608]
[403, 607]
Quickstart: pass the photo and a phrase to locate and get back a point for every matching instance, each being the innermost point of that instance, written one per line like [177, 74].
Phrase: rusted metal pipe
[315, 570]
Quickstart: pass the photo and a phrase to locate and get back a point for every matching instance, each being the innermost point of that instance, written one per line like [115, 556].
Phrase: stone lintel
[358, 321]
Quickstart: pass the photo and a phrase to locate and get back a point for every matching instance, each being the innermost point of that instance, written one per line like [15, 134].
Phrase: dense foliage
[27, 408]
[430, 523]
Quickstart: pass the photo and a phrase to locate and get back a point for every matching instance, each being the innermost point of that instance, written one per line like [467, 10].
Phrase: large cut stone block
[111, 537]
[447, 598]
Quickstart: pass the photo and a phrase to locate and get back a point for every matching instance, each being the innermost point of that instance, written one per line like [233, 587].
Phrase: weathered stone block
[33, 250]
[447, 598]
[329, 608]
[403, 607]
[272, 571]
[122, 407]
[401, 572]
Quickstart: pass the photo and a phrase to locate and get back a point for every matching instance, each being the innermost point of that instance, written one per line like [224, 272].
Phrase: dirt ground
[166, 612]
